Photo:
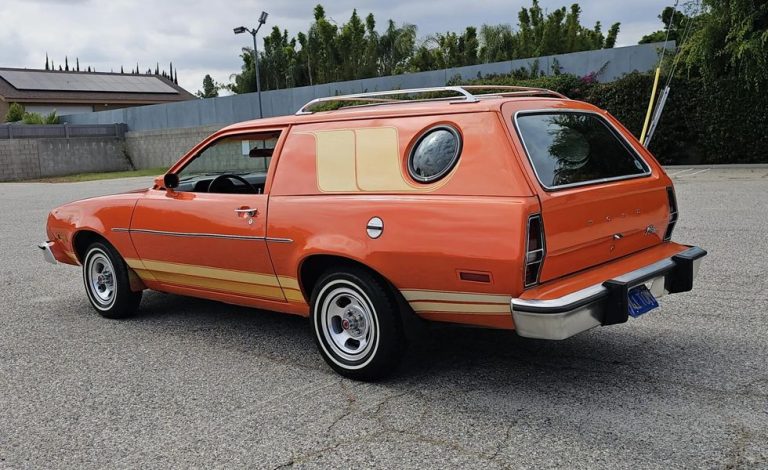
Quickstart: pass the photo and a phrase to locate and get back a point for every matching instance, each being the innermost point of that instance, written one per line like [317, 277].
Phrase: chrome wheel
[356, 322]
[347, 321]
[100, 278]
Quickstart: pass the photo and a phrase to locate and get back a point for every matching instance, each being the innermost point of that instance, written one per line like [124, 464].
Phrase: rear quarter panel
[471, 221]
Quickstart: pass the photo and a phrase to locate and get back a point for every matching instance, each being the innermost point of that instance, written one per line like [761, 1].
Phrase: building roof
[49, 86]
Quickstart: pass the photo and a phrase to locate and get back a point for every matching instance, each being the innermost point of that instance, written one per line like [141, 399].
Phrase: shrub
[15, 113]
[32, 118]
[35, 118]
[701, 124]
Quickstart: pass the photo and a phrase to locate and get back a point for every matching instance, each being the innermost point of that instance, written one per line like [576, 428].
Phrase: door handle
[247, 211]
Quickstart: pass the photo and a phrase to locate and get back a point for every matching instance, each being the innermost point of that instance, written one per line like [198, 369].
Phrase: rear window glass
[568, 149]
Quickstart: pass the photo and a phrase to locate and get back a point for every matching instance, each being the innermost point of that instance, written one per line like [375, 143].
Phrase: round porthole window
[435, 154]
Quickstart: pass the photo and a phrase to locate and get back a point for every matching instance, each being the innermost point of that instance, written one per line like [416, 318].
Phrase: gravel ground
[191, 383]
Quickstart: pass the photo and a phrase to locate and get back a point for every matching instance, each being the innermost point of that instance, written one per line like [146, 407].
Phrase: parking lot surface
[192, 383]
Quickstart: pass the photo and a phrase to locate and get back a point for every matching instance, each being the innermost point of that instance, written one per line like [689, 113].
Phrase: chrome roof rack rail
[463, 95]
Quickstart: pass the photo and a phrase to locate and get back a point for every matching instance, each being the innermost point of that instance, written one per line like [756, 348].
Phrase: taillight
[534, 250]
[672, 213]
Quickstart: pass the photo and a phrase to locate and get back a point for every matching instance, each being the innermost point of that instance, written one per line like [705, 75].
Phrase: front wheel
[106, 282]
[356, 324]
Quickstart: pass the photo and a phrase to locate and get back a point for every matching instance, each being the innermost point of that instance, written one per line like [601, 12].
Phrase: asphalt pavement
[198, 384]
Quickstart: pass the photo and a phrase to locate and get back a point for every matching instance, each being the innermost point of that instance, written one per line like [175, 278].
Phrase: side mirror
[171, 180]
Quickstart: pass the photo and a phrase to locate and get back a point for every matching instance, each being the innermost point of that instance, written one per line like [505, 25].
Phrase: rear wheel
[356, 324]
[105, 276]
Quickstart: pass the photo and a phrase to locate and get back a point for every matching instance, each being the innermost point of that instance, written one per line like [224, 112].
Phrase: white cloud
[197, 36]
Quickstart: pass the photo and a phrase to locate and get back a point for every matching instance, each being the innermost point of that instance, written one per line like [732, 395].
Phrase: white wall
[61, 109]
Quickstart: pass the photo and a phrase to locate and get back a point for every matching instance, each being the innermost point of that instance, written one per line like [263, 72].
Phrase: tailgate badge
[649, 230]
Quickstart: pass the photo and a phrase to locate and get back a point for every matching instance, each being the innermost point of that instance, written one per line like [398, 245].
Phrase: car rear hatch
[600, 199]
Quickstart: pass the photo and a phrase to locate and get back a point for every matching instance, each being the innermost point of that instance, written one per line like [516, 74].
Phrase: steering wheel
[227, 176]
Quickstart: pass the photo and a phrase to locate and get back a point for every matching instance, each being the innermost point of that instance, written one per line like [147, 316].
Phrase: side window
[435, 154]
[234, 164]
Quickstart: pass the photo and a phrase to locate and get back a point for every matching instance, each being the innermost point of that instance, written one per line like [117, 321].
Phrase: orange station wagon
[501, 207]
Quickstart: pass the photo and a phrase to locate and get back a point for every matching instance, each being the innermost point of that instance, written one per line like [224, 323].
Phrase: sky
[197, 35]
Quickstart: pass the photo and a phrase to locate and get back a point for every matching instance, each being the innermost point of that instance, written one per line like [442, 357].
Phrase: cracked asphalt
[198, 384]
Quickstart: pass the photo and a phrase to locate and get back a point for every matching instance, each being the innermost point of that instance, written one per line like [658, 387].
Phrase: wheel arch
[83, 238]
[313, 266]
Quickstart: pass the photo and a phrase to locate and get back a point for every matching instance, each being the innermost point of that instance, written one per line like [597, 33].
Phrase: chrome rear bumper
[47, 253]
[605, 303]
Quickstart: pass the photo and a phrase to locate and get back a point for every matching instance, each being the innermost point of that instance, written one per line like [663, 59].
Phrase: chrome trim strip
[606, 122]
[567, 301]
[279, 240]
[594, 292]
[201, 235]
[187, 234]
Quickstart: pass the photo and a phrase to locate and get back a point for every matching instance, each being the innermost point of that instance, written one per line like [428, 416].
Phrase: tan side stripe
[431, 295]
[486, 309]
[288, 282]
[239, 282]
[293, 295]
[212, 273]
[134, 263]
[218, 285]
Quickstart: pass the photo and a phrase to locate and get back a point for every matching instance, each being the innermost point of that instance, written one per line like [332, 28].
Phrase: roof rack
[462, 94]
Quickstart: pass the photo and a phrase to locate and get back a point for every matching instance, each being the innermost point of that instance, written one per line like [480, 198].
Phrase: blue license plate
[641, 301]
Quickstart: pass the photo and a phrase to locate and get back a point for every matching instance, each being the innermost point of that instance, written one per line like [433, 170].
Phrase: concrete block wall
[60, 157]
[22, 159]
[19, 160]
[163, 147]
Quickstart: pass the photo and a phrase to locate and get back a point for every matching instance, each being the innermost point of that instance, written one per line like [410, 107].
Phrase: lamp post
[243, 29]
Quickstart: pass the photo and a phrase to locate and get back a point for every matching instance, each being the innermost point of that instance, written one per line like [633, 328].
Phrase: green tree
[210, 90]
[729, 38]
[613, 32]
[497, 43]
[245, 81]
[674, 20]
[371, 56]
[396, 46]
[352, 42]
[329, 52]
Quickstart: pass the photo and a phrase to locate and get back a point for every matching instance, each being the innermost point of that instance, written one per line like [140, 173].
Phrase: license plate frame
[640, 301]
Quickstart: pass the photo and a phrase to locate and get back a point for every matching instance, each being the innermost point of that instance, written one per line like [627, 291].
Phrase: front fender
[98, 216]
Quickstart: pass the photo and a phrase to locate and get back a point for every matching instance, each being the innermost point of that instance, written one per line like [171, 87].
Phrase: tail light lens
[672, 213]
[534, 250]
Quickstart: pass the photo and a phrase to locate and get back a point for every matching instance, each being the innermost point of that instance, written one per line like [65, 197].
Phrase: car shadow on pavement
[472, 356]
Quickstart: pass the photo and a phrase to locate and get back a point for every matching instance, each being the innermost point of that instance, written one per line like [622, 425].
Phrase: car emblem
[650, 229]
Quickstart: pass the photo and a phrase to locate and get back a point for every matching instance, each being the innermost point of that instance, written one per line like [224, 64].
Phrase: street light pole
[243, 29]
[256, 62]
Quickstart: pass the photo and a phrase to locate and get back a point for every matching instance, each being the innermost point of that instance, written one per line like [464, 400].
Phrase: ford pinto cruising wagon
[501, 207]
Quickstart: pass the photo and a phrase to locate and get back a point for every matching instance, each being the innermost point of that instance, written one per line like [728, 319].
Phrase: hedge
[702, 123]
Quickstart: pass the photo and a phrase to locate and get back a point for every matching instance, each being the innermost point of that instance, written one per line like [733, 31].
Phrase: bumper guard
[606, 303]
[47, 253]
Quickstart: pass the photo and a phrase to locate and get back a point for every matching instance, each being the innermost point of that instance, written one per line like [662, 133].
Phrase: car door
[207, 236]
